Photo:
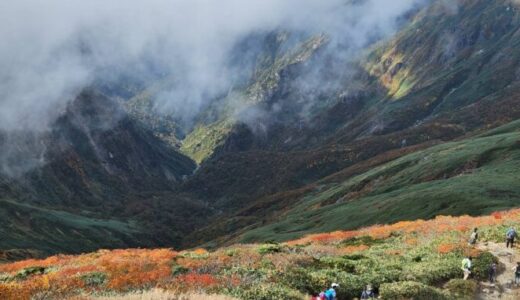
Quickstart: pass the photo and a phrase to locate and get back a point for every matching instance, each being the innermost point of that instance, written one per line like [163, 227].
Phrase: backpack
[510, 234]
[367, 295]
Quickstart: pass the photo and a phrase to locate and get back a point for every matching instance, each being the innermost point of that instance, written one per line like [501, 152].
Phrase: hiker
[510, 237]
[368, 293]
[315, 297]
[516, 269]
[330, 294]
[474, 237]
[492, 272]
[321, 296]
[466, 266]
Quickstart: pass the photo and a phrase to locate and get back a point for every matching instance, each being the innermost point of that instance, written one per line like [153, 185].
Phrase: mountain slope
[103, 182]
[415, 93]
[302, 139]
[476, 175]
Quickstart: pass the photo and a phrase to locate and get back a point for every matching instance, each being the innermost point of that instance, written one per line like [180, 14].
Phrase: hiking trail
[503, 288]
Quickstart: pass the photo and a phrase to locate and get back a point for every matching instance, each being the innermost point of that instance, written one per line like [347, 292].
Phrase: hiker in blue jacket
[331, 294]
[510, 237]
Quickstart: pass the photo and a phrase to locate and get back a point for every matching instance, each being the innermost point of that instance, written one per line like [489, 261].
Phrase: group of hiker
[331, 293]
[467, 262]
[328, 294]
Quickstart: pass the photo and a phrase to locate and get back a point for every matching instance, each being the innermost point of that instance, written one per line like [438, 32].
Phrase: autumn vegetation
[421, 257]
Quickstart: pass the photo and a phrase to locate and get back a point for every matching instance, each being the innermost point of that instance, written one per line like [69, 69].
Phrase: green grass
[204, 139]
[26, 226]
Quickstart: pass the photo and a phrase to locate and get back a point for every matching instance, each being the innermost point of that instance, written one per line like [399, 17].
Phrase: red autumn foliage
[195, 281]
[133, 269]
[440, 224]
[497, 215]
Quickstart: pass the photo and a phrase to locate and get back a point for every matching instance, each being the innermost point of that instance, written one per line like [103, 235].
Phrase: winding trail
[503, 288]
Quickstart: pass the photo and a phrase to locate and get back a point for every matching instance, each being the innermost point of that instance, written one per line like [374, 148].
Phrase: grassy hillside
[445, 76]
[476, 175]
[410, 259]
[24, 226]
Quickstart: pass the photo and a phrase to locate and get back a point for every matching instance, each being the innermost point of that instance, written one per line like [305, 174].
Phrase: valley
[318, 140]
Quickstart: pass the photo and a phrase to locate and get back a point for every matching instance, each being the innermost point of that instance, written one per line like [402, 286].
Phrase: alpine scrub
[412, 259]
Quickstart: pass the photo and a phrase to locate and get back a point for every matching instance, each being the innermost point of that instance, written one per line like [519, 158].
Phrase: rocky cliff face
[85, 190]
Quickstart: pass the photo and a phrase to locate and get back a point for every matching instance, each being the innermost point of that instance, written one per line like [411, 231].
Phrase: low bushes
[269, 248]
[405, 290]
[338, 263]
[179, 270]
[361, 240]
[268, 292]
[462, 289]
[433, 270]
[29, 271]
[94, 279]
[413, 264]
[481, 265]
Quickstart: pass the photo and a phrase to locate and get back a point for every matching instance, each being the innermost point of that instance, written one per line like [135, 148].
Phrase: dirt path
[503, 287]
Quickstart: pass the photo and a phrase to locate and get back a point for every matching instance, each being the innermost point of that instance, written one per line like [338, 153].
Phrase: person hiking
[331, 293]
[516, 269]
[368, 293]
[315, 297]
[474, 237]
[492, 272]
[466, 266]
[510, 237]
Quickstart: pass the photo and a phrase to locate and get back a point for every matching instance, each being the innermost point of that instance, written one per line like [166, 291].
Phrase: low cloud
[53, 49]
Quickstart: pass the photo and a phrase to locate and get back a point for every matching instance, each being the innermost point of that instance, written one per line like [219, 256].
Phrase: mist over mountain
[186, 123]
[205, 49]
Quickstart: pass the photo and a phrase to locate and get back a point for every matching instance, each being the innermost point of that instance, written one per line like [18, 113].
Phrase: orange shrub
[200, 251]
[445, 248]
[354, 249]
[497, 215]
[50, 261]
[197, 281]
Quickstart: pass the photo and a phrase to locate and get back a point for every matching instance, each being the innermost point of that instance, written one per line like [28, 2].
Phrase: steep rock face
[90, 170]
[95, 151]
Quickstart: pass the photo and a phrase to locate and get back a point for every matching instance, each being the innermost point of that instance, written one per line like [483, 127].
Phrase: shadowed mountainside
[100, 183]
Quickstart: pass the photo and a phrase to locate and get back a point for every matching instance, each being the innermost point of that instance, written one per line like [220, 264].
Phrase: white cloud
[51, 49]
